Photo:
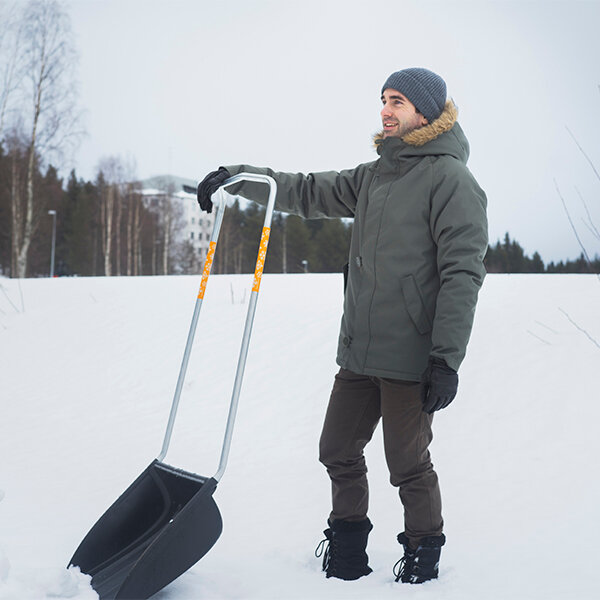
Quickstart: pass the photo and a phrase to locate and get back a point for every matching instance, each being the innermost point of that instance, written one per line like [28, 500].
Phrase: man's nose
[385, 111]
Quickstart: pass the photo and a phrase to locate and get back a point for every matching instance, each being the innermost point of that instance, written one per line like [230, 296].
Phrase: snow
[88, 367]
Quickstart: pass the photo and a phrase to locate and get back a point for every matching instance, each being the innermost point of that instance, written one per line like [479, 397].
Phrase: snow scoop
[167, 519]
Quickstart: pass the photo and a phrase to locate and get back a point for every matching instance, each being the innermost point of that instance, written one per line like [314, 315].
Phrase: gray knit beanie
[424, 88]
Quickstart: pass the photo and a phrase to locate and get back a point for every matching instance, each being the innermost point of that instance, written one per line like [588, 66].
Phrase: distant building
[197, 225]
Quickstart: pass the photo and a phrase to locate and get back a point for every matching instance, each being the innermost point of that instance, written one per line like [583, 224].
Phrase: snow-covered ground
[87, 372]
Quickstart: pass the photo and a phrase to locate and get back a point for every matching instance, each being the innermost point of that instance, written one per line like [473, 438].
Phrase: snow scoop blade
[164, 523]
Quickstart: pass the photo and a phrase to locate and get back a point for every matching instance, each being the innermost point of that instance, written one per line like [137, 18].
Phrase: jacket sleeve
[312, 196]
[458, 224]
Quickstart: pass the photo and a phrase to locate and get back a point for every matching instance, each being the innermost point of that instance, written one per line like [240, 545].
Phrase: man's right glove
[209, 185]
[440, 384]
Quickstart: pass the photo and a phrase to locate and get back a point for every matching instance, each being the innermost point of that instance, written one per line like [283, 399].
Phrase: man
[415, 269]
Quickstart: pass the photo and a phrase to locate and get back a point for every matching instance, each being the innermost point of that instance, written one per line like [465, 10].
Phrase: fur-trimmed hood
[445, 132]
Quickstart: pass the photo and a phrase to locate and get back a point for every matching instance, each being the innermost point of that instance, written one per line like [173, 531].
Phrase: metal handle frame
[260, 261]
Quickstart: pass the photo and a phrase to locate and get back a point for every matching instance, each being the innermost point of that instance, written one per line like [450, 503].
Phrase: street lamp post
[53, 213]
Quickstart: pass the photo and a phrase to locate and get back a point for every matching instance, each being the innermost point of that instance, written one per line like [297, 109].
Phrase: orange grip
[260, 261]
[207, 265]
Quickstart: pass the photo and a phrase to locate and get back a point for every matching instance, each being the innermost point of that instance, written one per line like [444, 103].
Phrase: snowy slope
[87, 373]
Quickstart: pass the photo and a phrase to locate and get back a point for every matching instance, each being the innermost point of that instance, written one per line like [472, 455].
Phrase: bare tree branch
[584, 153]
[590, 224]
[8, 298]
[537, 337]
[589, 227]
[585, 254]
[580, 328]
[11, 61]
[546, 327]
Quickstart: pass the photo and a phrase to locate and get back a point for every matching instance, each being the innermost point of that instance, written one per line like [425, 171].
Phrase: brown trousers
[356, 405]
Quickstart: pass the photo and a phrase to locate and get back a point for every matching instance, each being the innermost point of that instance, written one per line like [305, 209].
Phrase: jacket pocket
[415, 305]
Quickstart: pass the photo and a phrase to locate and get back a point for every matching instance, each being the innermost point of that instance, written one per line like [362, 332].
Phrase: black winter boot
[344, 549]
[419, 564]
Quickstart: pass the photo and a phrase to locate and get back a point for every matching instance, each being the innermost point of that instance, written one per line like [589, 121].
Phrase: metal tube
[237, 386]
[219, 212]
[235, 396]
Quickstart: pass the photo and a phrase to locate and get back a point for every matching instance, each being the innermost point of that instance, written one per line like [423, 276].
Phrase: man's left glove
[439, 385]
[209, 185]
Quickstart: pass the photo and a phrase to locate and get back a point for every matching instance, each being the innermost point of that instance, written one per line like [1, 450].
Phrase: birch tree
[137, 234]
[11, 67]
[48, 121]
[110, 183]
[131, 200]
[133, 227]
[169, 213]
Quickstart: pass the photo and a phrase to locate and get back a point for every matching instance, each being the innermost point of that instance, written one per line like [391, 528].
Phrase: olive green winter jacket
[417, 248]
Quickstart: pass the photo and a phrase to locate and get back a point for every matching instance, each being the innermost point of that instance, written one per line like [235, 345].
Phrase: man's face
[399, 115]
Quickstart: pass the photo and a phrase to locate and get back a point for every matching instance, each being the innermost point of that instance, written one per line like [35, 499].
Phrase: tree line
[509, 257]
[106, 227]
[103, 227]
[296, 245]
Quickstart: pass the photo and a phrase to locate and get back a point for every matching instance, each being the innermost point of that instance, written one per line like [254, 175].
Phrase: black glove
[209, 185]
[440, 384]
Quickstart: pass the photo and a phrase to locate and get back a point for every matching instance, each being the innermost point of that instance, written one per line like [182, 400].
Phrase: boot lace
[405, 567]
[325, 550]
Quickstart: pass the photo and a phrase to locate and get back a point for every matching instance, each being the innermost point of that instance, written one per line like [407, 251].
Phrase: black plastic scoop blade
[164, 523]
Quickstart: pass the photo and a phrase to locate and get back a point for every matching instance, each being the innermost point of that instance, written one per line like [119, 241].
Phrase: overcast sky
[184, 86]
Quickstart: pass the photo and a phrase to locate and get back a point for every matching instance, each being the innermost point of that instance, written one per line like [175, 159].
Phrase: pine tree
[331, 243]
[537, 264]
[80, 227]
[300, 252]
